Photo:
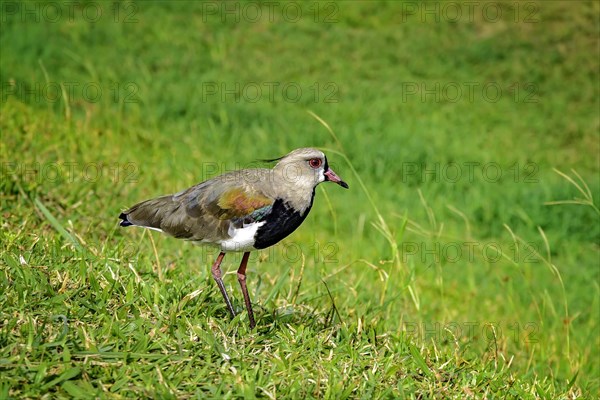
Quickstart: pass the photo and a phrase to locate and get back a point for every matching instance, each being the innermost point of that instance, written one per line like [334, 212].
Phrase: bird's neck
[297, 191]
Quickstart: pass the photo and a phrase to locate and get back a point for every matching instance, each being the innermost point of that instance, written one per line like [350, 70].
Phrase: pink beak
[332, 177]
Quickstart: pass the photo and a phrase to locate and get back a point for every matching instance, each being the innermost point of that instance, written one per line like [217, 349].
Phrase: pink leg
[217, 275]
[241, 274]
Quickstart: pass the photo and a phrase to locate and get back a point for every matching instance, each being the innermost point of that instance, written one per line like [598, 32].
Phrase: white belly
[242, 239]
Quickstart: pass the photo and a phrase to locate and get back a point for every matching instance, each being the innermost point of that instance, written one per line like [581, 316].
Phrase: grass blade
[56, 225]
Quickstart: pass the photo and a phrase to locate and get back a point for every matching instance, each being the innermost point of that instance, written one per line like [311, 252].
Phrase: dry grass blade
[587, 200]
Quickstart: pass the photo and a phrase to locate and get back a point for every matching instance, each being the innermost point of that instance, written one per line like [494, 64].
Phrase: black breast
[281, 221]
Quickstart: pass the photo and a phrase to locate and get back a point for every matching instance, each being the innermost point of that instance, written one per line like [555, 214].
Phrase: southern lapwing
[240, 211]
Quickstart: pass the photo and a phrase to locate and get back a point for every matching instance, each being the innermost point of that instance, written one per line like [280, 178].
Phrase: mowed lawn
[462, 263]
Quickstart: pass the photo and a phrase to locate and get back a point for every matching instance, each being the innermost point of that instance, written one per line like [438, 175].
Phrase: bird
[239, 211]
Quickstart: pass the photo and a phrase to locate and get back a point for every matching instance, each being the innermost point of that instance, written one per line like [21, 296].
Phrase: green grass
[370, 297]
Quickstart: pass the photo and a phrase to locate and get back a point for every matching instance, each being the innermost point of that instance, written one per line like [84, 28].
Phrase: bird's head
[307, 167]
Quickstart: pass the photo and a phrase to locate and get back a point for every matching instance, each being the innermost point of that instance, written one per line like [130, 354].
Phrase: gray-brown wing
[206, 211]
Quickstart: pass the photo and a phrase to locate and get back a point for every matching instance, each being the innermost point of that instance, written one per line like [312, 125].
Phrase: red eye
[315, 162]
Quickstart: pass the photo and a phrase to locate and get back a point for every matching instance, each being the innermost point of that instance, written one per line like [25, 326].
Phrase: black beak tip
[344, 185]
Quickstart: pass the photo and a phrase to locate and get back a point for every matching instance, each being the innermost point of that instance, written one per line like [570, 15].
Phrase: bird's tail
[149, 213]
[125, 221]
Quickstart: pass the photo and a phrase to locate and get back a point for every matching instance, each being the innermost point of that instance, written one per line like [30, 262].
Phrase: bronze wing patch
[238, 203]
